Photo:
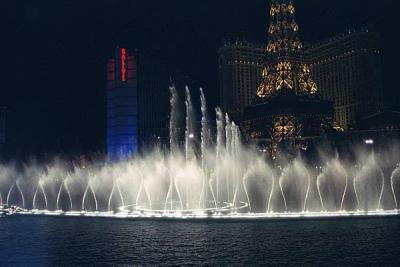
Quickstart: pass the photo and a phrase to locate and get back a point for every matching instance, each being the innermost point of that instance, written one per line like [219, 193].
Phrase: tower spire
[283, 29]
[284, 66]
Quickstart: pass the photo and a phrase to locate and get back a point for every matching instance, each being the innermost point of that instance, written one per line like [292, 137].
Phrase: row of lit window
[327, 60]
[252, 63]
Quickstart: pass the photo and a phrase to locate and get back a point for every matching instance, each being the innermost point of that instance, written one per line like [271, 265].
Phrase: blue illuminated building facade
[137, 103]
[122, 105]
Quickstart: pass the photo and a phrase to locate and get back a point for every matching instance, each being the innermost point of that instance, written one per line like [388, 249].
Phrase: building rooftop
[242, 43]
[339, 36]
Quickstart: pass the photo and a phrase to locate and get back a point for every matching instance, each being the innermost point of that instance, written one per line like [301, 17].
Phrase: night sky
[53, 54]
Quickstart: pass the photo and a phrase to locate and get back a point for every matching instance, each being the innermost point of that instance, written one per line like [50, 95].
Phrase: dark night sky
[53, 53]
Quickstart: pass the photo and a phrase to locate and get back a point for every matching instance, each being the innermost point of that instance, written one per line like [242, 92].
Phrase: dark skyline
[54, 53]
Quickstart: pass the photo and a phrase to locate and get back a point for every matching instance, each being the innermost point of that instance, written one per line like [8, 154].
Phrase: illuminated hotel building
[122, 105]
[240, 66]
[348, 70]
[137, 103]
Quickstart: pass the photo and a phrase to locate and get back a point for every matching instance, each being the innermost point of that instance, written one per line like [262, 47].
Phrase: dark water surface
[87, 241]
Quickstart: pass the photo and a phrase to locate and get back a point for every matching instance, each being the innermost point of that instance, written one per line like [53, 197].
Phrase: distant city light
[191, 136]
[369, 142]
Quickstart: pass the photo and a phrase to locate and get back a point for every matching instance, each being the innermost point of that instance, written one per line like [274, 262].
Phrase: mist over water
[209, 170]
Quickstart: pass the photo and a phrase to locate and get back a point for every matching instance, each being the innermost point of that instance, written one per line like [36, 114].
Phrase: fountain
[16, 184]
[41, 188]
[206, 176]
[116, 186]
[89, 188]
[332, 186]
[65, 186]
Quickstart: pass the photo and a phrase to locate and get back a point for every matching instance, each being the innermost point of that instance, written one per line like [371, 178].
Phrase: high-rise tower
[122, 105]
[287, 110]
[137, 103]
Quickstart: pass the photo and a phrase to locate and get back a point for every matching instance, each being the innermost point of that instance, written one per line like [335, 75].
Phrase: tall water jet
[174, 143]
[205, 129]
[173, 120]
[190, 139]
[219, 149]
[205, 143]
[228, 152]
[190, 127]
[235, 146]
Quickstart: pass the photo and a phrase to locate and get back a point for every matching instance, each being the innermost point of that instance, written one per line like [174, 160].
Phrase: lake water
[88, 241]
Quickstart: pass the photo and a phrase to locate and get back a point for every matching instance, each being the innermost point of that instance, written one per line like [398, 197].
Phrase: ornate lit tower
[287, 110]
[285, 68]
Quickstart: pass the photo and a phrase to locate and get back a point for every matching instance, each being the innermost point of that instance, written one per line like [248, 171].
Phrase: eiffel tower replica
[287, 112]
